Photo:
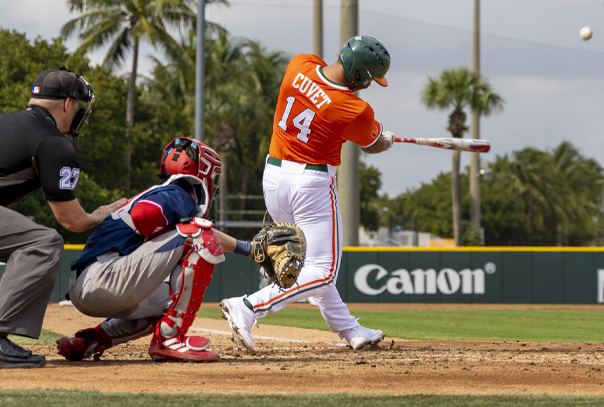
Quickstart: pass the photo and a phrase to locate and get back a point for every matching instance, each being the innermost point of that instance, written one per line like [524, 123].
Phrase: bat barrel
[479, 146]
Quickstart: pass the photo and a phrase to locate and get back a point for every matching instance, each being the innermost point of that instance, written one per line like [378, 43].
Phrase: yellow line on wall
[74, 247]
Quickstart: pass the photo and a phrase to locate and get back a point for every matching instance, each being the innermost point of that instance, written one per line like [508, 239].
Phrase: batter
[316, 113]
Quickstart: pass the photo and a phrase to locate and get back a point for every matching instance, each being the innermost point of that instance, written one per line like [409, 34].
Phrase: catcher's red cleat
[85, 343]
[182, 348]
[71, 348]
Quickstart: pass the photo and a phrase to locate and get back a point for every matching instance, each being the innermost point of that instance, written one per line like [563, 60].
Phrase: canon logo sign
[373, 279]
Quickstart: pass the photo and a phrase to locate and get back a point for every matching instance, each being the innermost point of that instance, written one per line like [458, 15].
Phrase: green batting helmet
[364, 58]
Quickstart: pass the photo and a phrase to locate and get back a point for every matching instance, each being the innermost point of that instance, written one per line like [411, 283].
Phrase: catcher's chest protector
[202, 252]
[123, 213]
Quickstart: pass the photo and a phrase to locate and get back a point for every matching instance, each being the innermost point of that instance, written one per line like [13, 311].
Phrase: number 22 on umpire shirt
[315, 116]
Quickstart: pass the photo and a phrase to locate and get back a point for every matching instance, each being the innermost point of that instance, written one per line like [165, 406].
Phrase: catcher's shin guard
[203, 252]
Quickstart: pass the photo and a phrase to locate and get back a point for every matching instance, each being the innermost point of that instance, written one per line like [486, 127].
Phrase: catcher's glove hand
[280, 249]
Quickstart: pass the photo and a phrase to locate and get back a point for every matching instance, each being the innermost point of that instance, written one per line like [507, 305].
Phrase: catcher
[147, 266]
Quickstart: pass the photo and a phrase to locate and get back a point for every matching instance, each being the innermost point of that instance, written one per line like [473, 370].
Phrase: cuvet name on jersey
[311, 90]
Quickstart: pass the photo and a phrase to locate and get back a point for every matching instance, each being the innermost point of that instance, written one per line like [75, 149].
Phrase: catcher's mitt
[280, 249]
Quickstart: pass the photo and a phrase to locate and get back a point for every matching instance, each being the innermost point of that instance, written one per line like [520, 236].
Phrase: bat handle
[398, 139]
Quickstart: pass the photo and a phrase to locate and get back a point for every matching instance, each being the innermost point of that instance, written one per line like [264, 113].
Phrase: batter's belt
[315, 167]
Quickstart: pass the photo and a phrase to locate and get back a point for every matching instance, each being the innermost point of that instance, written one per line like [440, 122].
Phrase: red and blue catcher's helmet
[188, 157]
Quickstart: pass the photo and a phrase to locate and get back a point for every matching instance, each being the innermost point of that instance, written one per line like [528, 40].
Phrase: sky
[551, 80]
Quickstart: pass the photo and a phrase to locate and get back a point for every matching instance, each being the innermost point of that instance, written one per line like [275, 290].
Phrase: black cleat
[13, 356]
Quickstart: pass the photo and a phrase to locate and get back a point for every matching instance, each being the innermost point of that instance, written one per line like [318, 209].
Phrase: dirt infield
[318, 362]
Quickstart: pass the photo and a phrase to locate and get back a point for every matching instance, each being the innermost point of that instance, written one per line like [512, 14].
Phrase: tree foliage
[242, 85]
[21, 61]
[457, 89]
[122, 25]
[558, 196]
[535, 198]
[101, 144]
[241, 88]
[371, 205]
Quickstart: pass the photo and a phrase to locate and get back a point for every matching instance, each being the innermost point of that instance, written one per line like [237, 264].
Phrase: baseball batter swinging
[316, 113]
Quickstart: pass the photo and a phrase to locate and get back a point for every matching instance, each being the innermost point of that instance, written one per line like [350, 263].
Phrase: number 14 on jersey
[301, 122]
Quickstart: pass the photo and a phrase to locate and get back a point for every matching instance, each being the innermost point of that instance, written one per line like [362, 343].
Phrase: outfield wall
[521, 275]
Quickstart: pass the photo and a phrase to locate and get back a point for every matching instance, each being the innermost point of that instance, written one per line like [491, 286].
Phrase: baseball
[586, 33]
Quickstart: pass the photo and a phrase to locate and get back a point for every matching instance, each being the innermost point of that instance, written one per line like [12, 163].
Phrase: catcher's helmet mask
[61, 83]
[195, 166]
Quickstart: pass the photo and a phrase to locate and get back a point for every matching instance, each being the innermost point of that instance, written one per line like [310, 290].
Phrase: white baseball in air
[586, 33]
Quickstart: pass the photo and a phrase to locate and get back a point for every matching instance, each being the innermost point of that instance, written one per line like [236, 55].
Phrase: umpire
[36, 154]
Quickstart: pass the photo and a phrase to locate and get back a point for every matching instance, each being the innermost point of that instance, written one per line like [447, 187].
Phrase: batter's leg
[310, 200]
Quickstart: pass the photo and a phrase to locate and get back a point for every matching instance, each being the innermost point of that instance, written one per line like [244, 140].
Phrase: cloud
[551, 80]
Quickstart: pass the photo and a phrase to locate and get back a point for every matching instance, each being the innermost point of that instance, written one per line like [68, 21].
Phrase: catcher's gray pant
[32, 254]
[129, 287]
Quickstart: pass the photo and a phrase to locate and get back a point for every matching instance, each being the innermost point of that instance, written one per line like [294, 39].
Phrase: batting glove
[389, 137]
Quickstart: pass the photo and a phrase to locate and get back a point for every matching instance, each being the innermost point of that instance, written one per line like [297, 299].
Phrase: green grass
[45, 338]
[480, 325]
[432, 324]
[61, 398]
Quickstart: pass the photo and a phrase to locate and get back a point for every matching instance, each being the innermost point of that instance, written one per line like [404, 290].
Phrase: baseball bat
[461, 144]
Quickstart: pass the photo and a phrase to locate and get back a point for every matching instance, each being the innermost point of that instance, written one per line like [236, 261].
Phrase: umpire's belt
[277, 162]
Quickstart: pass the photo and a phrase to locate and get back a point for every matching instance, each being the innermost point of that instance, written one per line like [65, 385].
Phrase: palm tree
[560, 193]
[528, 176]
[245, 100]
[242, 84]
[458, 89]
[173, 82]
[263, 73]
[123, 24]
[579, 182]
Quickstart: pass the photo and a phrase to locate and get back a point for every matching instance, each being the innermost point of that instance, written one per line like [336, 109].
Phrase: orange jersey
[315, 116]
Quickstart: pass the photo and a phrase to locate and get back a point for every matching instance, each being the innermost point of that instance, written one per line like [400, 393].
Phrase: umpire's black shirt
[34, 154]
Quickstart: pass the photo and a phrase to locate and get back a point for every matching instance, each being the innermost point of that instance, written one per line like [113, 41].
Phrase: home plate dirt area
[319, 362]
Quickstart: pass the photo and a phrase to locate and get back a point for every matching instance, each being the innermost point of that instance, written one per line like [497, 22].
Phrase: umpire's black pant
[32, 254]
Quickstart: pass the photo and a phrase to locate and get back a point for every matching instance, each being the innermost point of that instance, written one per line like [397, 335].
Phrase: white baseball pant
[309, 199]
